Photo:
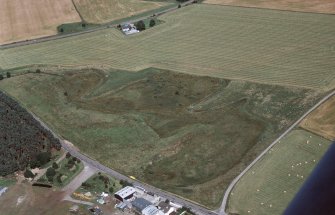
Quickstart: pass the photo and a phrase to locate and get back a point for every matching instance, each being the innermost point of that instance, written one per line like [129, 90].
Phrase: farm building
[129, 28]
[3, 190]
[151, 210]
[140, 204]
[125, 193]
[166, 208]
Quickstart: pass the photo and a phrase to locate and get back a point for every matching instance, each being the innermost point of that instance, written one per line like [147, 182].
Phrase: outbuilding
[140, 204]
[125, 193]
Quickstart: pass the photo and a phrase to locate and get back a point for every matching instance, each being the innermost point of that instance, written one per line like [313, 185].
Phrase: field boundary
[222, 210]
[75, 7]
[264, 8]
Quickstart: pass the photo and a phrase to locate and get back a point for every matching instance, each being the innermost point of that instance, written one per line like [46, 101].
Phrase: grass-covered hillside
[188, 134]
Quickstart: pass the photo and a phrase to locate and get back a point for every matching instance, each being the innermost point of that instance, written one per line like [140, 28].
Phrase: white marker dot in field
[270, 205]
[289, 174]
[302, 176]
[310, 136]
[306, 162]
[319, 144]
[262, 203]
[314, 161]
[253, 172]
[284, 191]
[249, 211]
[257, 190]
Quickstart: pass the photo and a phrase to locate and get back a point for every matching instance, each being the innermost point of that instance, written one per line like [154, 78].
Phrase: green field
[269, 186]
[274, 47]
[187, 134]
[5, 182]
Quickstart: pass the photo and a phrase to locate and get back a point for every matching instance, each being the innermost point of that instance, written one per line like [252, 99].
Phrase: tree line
[23, 140]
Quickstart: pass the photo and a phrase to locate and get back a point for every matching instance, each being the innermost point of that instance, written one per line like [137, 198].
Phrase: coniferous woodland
[23, 140]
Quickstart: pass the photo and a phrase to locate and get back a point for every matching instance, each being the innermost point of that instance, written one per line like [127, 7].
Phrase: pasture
[102, 11]
[270, 185]
[322, 120]
[266, 46]
[313, 6]
[187, 134]
[21, 20]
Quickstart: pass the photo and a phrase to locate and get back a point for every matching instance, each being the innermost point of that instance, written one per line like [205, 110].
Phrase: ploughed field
[266, 46]
[190, 135]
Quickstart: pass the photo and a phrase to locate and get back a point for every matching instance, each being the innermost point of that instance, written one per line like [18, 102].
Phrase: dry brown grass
[322, 120]
[100, 11]
[20, 20]
[318, 6]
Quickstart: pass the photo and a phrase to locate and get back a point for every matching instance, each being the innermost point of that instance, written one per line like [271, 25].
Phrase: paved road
[222, 210]
[198, 209]
[101, 27]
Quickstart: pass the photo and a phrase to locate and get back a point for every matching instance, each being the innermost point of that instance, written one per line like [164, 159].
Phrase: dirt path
[85, 174]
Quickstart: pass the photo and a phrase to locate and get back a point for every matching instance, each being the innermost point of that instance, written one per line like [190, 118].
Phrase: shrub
[55, 165]
[152, 23]
[51, 172]
[68, 155]
[140, 25]
[28, 174]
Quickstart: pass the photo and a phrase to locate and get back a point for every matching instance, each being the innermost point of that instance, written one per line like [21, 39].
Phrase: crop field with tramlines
[274, 47]
[314, 6]
[270, 185]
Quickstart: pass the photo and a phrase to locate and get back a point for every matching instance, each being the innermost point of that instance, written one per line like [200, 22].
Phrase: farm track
[235, 181]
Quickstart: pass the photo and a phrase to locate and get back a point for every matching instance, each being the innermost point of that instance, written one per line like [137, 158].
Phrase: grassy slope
[266, 46]
[322, 120]
[270, 185]
[137, 123]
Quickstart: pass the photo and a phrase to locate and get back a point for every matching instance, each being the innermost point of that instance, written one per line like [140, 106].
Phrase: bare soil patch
[322, 120]
[317, 6]
[20, 20]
